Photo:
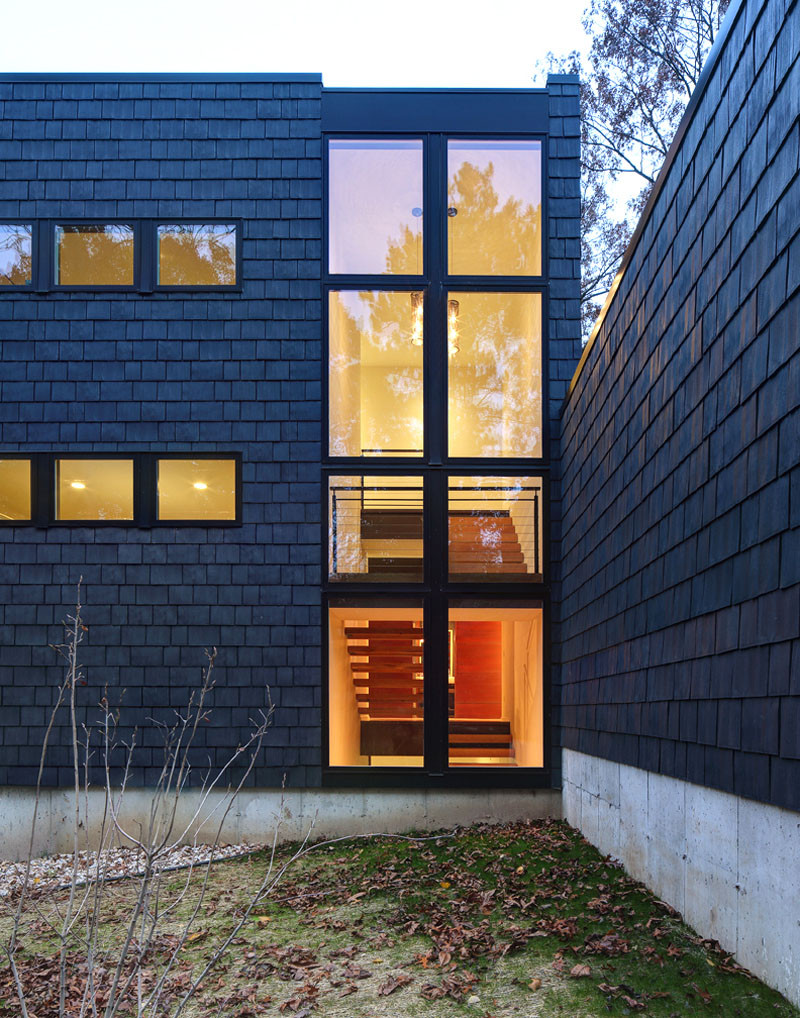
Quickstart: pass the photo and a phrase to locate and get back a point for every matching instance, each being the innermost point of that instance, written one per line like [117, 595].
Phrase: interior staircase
[386, 663]
[484, 543]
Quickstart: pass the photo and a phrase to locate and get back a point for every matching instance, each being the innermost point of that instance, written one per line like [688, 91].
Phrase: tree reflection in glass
[15, 254]
[375, 206]
[494, 208]
[197, 254]
[375, 373]
[94, 255]
[495, 376]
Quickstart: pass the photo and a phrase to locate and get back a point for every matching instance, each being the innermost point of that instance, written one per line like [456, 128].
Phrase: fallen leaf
[580, 971]
[535, 984]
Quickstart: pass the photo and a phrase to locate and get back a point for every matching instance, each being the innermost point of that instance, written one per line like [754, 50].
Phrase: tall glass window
[375, 206]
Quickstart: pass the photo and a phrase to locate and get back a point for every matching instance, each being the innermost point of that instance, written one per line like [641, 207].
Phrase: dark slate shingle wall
[564, 320]
[681, 454]
[173, 372]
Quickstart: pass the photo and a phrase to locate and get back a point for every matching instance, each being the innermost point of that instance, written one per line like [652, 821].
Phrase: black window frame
[52, 255]
[153, 254]
[435, 466]
[7, 288]
[43, 488]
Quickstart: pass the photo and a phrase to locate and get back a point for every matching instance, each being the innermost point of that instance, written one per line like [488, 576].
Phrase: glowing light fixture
[200, 485]
[453, 345]
[417, 316]
[77, 484]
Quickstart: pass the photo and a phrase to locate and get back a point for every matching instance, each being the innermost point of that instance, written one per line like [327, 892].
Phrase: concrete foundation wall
[730, 865]
[258, 812]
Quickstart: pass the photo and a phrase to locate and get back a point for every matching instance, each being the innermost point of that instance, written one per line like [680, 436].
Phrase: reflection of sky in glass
[15, 254]
[517, 166]
[374, 188]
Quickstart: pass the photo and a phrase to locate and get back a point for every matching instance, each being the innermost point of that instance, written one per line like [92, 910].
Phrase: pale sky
[417, 43]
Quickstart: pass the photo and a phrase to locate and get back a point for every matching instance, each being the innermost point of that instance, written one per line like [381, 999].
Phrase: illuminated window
[375, 529]
[496, 701]
[201, 489]
[494, 215]
[376, 684]
[494, 529]
[15, 254]
[94, 255]
[15, 489]
[197, 255]
[375, 372]
[375, 206]
[94, 489]
[494, 369]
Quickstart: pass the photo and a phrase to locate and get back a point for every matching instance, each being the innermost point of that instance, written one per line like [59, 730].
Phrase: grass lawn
[510, 920]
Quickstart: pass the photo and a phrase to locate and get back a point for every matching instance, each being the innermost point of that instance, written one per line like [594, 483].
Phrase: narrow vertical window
[375, 206]
[15, 490]
[16, 252]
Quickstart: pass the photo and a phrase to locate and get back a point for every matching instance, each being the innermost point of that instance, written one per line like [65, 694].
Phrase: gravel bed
[52, 872]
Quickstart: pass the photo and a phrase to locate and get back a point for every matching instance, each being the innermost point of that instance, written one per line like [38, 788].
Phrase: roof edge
[200, 76]
[731, 18]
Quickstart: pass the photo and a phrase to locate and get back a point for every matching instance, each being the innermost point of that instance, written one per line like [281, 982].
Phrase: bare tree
[644, 62]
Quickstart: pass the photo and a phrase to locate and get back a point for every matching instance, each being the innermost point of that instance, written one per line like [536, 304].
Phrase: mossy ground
[491, 921]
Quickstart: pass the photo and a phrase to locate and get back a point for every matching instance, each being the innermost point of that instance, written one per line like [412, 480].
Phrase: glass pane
[494, 374]
[375, 206]
[375, 529]
[15, 489]
[94, 489]
[94, 255]
[494, 216]
[197, 255]
[376, 685]
[15, 254]
[202, 489]
[496, 705]
[494, 528]
[375, 373]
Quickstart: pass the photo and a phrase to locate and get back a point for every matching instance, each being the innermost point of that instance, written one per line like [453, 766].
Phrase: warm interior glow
[496, 712]
[495, 380]
[375, 529]
[375, 374]
[94, 489]
[375, 685]
[375, 206]
[495, 529]
[94, 255]
[15, 489]
[197, 254]
[495, 201]
[197, 489]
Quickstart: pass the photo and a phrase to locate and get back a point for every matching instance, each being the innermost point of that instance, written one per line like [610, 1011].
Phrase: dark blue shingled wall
[681, 453]
[170, 372]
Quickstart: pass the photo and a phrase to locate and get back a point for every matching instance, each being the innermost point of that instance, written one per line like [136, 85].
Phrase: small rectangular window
[15, 489]
[201, 489]
[375, 529]
[94, 489]
[94, 255]
[197, 254]
[15, 254]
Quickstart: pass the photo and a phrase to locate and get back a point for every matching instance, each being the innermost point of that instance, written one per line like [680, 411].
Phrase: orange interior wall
[479, 669]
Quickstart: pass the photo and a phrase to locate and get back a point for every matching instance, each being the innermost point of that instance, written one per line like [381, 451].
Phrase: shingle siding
[218, 372]
[680, 454]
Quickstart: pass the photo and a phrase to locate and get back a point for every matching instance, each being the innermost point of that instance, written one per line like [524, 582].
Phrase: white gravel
[54, 871]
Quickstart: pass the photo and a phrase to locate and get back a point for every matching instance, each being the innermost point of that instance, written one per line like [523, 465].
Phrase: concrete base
[258, 812]
[729, 865]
